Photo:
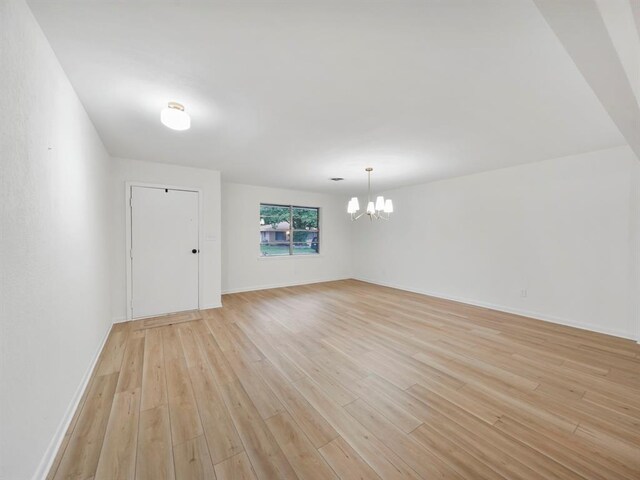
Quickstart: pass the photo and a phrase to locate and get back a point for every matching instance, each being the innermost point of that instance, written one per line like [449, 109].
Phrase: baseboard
[280, 285]
[50, 454]
[502, 308]
[119, 320]
[212, 305]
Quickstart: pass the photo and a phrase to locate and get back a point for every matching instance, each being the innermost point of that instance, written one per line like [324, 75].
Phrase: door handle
[194, 251]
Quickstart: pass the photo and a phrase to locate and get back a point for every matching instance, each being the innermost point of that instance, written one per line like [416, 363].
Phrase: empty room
[328, 239]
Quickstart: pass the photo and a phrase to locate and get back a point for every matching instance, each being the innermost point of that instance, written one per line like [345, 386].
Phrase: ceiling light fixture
[175, 117]
[376, 210]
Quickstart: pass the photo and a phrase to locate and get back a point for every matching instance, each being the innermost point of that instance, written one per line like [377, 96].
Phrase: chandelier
[376, 210]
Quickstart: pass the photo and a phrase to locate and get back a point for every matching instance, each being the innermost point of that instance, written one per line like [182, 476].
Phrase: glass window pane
[274, 249]
[305, 218]
[305, 242]
[274, 216]
[275, 230]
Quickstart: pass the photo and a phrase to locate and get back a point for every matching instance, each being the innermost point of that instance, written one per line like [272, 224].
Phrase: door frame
[128, 233]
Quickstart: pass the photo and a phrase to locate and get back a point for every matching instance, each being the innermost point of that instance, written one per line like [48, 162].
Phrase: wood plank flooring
[350, 380]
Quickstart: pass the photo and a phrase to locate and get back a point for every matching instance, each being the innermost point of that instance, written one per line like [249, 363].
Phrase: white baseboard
[119, 320]
[515, 311]
[212, 305]
[280, 285]
[50, 454]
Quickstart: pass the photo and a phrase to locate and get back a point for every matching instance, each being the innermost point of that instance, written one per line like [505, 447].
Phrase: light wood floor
[355, 381]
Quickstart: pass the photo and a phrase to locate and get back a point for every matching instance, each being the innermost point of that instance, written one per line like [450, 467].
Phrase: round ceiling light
[175, 117]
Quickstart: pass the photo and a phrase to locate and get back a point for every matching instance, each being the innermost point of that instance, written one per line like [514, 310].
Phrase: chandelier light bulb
[356, 204]
[370, 208]
[174, 117]
[380, 203]
[388, 206]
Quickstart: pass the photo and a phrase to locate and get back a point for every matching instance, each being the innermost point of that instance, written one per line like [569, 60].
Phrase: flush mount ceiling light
[175, 117]
[375, 211]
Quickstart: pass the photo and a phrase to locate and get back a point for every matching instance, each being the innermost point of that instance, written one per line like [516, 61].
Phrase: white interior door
[164, 251]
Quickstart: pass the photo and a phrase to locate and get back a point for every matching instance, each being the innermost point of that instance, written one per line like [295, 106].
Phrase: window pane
[274, 216]
[275, 230]
[274, 249]
[305, 218]
[305, 242]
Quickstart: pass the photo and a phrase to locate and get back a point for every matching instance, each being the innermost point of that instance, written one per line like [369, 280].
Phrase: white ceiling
[288, 94]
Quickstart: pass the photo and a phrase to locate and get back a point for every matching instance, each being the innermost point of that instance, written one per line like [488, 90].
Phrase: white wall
[244, 269]
[54, 244]
[617, 16]
[172, 175]
[560, 229]
[635, 246]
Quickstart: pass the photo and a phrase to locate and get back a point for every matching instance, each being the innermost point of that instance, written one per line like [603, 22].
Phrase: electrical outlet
[523, 293]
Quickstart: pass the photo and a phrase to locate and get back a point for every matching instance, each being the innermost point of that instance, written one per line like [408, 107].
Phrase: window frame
[291, 230]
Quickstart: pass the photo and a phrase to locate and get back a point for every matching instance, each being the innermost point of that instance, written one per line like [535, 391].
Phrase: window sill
[271, 257]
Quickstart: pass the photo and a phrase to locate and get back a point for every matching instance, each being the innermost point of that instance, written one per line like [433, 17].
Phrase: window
[289, 230]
